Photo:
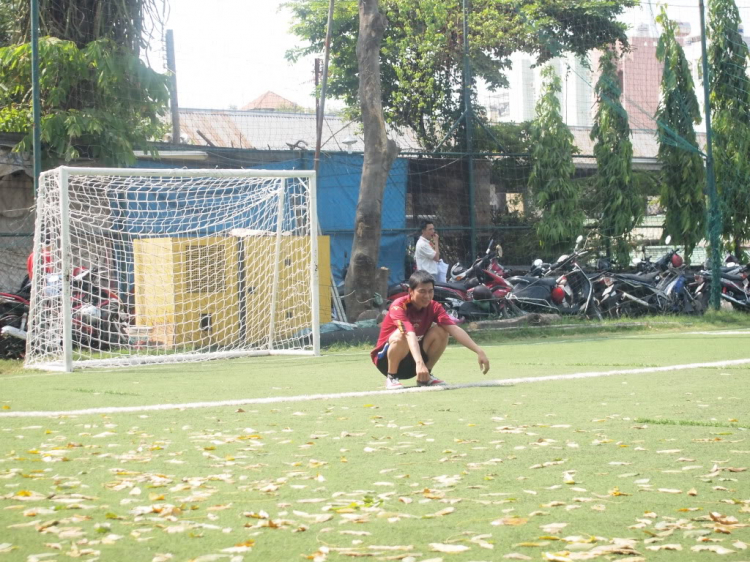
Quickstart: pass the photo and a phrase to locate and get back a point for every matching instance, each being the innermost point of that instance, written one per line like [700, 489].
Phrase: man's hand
[423, 375]
[484, 363]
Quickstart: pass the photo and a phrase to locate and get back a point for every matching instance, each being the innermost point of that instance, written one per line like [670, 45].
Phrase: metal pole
[66, 271]
[317, 95]
[714, 213]
[322, 111]
[276, 263]
[174, 106]
[36, 98]
[468, 122]
[314, 278]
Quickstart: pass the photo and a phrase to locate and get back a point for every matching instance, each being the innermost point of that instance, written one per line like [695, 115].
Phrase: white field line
[718, 333]
[309, 397]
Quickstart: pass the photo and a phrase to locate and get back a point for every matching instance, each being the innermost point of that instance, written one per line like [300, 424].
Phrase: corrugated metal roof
[273, 130]
[645, 144]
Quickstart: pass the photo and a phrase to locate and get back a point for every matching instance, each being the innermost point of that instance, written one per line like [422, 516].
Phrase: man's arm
[436, 246]
[464, 339]
[416, 353]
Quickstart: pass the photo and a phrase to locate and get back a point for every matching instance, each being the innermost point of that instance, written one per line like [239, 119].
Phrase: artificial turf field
[635, 466]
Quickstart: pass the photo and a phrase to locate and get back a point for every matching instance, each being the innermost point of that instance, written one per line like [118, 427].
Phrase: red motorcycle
[99, 319]
[479, 295]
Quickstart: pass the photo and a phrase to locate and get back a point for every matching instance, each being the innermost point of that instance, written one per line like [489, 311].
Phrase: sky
[229, 52]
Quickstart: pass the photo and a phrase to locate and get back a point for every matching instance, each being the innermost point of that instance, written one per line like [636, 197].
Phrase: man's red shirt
[404, 316]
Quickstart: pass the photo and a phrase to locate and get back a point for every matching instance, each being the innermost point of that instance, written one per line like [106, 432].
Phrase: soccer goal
[161, 266]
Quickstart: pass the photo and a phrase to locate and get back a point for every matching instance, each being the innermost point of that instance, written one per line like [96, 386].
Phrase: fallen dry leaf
[658, 547]
[553, 528]
[723, 519]
[711, 548]
[448, 548]
[441, 513]
[510, 521]
[556, 557]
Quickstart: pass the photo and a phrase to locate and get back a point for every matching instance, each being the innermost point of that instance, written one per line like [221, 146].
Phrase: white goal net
[153, 266]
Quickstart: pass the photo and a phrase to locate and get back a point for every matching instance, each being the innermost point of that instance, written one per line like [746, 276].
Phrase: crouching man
[414, 335]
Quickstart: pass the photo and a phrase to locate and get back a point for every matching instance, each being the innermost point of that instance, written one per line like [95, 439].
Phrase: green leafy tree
[620, 204]
[99, 100]
[683, 175]
[727, 60]
[6, 23]
[422, 50]
[555, 194]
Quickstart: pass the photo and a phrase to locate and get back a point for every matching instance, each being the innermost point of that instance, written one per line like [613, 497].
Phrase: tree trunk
[379, 154]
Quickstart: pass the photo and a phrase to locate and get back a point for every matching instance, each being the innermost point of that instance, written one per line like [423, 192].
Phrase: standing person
[427, 252]
[414, 335]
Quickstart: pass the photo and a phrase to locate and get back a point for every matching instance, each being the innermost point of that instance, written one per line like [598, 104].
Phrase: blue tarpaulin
[338, 193]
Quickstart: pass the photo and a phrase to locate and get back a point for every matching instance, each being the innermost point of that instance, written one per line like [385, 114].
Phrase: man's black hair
[420, 276]
[424, 224]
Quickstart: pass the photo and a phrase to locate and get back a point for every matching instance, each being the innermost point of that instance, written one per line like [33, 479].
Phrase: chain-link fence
[16, 221]
[601, 129]
[14, 251]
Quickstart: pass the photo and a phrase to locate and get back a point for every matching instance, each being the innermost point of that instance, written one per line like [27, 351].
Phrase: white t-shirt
[425, 256]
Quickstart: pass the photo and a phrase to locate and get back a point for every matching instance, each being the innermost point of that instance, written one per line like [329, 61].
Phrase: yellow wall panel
[188, 289]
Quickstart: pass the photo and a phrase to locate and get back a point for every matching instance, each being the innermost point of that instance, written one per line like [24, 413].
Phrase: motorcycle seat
[531, 280]
[735, 278]
[455, 286]
[648, 279]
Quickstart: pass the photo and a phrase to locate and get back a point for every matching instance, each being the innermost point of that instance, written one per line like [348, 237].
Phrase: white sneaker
[392, 383]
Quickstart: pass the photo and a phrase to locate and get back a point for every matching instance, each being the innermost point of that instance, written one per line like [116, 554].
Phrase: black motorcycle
[14, 317]
[560, 288]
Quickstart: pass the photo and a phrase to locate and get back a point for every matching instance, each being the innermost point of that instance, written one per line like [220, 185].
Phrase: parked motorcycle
[487, 262]
[659, 287]
[559, 288]
[14, 317]
[99, 320]
[735, 287]
[476, 293]
[99, 317]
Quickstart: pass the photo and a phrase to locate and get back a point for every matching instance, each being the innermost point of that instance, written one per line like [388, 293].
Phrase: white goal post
[139, 266]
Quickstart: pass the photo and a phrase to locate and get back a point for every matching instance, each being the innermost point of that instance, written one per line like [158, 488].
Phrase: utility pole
[36, 98]
[172, 68]
[469, 124]
[317, 93]
[322, 105]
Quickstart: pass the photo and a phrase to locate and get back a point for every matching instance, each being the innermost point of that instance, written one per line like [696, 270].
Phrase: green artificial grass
[351, 370]
[553, 470]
